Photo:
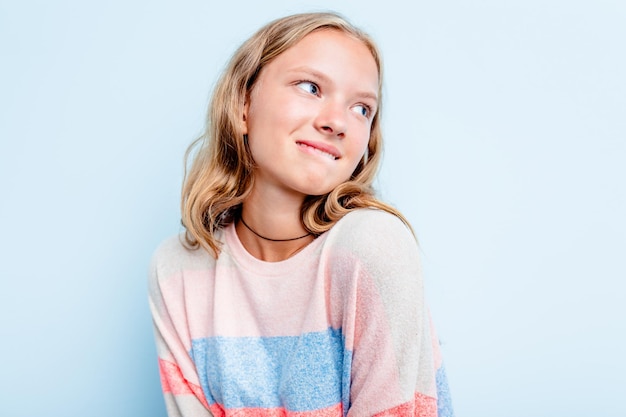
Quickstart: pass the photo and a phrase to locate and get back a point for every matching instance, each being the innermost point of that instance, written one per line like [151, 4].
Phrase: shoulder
[372, 253]
[373, 237]
[372, 227]
[372, 217]
[172, 256]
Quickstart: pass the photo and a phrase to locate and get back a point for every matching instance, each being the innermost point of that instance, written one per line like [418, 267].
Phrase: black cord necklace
[272, 240]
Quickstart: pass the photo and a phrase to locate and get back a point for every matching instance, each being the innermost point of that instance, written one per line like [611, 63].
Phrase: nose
[331, 119]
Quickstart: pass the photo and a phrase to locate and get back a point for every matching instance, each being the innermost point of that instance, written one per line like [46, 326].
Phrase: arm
[396, 363]
[179, 380]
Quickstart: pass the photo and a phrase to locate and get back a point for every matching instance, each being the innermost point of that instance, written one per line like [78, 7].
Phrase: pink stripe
[332, 411]
[172, 380]
[421, 406]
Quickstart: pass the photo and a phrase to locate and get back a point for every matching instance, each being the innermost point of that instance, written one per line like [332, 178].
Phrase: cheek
[358, 149]
[361, 144]
[275, 115]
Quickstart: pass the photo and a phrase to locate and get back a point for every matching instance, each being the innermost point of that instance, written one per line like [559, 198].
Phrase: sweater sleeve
[179, 379]
[396, 366]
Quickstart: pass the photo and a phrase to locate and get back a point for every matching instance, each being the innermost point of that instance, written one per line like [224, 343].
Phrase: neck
[270, 239]
[271, 229]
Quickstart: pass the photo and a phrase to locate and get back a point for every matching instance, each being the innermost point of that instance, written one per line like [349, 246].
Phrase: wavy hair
[221, 173]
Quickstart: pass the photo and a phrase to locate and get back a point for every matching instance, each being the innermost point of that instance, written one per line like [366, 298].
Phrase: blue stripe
[300, 373]
[347, 378]
[444, 400]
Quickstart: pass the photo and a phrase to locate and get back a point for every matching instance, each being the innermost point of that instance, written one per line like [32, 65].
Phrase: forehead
[334, 53]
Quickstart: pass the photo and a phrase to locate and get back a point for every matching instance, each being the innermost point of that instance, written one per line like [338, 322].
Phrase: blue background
[505, 146]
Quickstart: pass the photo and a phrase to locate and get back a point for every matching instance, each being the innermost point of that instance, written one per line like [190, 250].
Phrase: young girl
[294, 291]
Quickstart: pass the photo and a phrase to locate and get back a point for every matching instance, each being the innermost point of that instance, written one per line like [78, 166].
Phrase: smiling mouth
[319, 151]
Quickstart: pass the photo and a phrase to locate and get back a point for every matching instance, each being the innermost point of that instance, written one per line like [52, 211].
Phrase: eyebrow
[326, 79]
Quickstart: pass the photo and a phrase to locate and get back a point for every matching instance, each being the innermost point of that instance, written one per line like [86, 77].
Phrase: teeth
[319, 151]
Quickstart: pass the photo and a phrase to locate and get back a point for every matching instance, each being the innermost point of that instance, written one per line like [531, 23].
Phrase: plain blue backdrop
[505, 146]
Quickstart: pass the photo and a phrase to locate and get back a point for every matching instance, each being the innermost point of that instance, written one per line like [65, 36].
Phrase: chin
[317, 186]
[321, 190]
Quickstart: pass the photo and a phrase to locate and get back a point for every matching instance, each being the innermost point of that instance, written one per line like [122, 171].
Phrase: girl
[294, 291]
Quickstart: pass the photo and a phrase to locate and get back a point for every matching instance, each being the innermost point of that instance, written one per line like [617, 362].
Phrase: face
[309, 114]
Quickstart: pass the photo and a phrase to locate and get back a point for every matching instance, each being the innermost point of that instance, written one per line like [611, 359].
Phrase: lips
[323, 149]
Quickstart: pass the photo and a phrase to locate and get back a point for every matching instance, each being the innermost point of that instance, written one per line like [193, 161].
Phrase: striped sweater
[339, 329]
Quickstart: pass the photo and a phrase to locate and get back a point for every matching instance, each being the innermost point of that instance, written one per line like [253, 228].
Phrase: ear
[244, 117]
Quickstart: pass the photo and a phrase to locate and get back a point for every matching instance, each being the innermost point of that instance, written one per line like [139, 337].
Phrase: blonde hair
[222, 171]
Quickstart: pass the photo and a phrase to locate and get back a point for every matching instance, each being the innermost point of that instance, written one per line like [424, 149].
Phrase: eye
[363, 109]
[309, 87]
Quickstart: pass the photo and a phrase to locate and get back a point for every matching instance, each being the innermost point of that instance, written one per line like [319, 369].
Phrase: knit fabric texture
[339, 329]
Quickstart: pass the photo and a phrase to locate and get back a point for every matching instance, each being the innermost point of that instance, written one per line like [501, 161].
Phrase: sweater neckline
[241, 255]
